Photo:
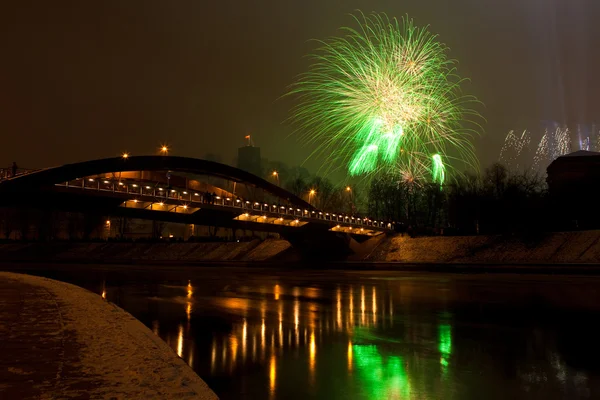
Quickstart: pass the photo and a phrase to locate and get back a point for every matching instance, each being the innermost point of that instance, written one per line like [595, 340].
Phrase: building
[574, 188]
[249, 158]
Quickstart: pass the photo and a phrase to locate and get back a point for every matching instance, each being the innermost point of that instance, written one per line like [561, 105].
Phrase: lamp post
[311, 195]
[276, 175]
[164, 150]
[349, 191]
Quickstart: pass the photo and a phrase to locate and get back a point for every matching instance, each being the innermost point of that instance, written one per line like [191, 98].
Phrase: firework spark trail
[386, 98]
[517, 153]
[515, 149]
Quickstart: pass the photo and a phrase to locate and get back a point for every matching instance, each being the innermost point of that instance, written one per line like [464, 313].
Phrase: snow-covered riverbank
[101, 350]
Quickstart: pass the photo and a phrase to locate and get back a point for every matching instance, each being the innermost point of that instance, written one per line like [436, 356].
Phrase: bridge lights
[91, 179]
[106, 182]
[185, 207]
[125, 155]
[134, 185]
[148, 187]
[161, 204]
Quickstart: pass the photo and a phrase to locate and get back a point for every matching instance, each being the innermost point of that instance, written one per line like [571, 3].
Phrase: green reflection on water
[445, 344]
[381, 379]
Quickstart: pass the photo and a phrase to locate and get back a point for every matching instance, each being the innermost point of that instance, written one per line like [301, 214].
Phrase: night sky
[91, 79]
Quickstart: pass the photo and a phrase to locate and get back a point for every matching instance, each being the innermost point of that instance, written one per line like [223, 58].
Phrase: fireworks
[518, 154]
[386, 98]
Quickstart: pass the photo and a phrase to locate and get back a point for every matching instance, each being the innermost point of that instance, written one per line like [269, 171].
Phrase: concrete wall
[560, 247]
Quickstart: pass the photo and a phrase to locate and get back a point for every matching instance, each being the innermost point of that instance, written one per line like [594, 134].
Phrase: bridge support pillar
[190, 231]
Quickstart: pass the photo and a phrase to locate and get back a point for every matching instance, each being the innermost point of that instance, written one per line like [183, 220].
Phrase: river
[255, 333]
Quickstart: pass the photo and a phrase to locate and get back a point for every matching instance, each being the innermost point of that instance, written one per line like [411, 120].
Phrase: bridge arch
[118, 165]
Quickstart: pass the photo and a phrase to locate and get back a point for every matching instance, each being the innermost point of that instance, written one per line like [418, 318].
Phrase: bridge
[180, 190]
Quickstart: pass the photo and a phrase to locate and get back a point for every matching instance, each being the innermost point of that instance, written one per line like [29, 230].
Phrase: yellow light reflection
[244, 338]
[296, 314]
[188, 308]
[339, 308]
[180, 341]
[104, 294]
[233, 345]
[362, 305]
[280, 334]
[277, 292]
[351, 306]
[374, 304]
[313, 351]
[263, 341]
[213, 356]
[189, 290]
[155, 326]
[349, 356]
[272, 374]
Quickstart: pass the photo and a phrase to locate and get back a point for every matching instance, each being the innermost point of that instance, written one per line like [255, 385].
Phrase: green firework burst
[386, 98]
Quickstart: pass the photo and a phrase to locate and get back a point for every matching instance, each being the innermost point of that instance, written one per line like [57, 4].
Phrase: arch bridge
[178, 189]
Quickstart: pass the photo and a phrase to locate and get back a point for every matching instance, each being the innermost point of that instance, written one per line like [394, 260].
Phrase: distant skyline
[82, 80]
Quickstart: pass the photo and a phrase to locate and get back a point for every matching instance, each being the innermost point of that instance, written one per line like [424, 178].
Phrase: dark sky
[90, 79]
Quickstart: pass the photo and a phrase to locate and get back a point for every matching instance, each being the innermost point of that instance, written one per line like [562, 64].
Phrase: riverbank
[581, 247]
[142, 252]
[559, 248]
[61, 341]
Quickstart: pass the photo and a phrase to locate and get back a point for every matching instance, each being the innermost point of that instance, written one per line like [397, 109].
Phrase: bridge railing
[194, 199]
[7, 173]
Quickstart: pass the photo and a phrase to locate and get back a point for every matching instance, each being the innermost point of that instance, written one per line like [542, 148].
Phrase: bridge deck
[179, 201]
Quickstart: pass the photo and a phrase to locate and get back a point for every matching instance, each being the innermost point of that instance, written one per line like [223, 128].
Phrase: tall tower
[249, 157]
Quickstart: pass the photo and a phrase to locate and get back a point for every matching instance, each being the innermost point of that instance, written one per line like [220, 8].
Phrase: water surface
[281, 334]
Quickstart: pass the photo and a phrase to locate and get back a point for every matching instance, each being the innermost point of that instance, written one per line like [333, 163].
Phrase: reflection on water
[373, 337]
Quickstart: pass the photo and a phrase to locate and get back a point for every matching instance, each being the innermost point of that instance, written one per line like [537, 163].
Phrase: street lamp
[350, 205]
[125, 155]
[310, 195]
[164, 150]
[276, 175]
